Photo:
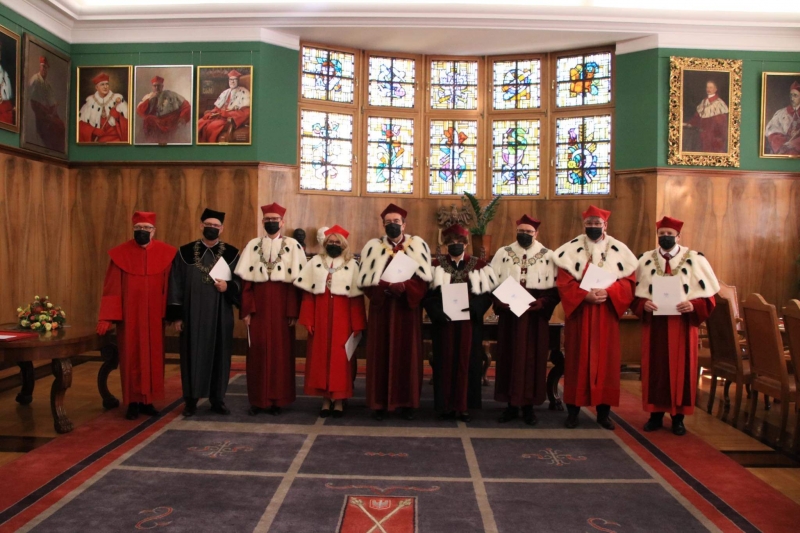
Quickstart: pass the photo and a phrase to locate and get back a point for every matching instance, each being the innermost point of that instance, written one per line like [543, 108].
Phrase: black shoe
[324, 413]
[655, 423]
[408, 413]
[571, 422]
[253, 411]
[191, 407]
[464, 417]
[447, 416]
[510, 413]
[678, 428]
[133, 411]
[220, 408]
[606, 423]
[274, 410]
[378, 415]
[529, 416]
[148, 409]
[337, 413]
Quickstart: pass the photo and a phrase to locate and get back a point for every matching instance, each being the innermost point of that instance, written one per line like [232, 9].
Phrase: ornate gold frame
[676, 156]
[128, 95]
[198, 113]
[17, 114]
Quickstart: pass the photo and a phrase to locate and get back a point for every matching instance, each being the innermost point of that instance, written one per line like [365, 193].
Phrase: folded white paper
[351, 344]
[511, 293]
[248, 336]
[667, 294]
[400, 269]
[4, 337]
[455, 298]
[220, 271]
[597, 278]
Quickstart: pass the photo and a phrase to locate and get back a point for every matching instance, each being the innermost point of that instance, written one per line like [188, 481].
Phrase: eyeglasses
[272, 219]
[216, 226]
[527, 231]
[144, 228]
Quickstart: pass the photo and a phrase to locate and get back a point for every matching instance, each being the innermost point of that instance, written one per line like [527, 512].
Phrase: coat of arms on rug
[381, 514]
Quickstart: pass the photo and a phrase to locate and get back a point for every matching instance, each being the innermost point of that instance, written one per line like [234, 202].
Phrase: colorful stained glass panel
[392, 81]
[583, 155]
[454, 84]
[326, 151]
[328, 75]
[515, 157]
[583, 80]
[453, 156]
[517, 84]
[390, 155]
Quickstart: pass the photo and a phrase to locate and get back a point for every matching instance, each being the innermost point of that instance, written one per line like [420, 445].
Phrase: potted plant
[481, 242]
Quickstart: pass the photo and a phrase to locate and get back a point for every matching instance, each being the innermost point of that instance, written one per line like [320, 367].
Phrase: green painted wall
[636, 111]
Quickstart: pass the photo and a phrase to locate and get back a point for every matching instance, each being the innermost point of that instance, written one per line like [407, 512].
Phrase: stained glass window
[583, 155]
[326, 151]
[453, 156]
[390, 155]
[583, 80]
[517, 84]
[515, 157]
[392, 81]
[328, 75]
[454, 84]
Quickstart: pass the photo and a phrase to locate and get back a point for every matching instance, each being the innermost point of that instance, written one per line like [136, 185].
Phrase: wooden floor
[23, 428]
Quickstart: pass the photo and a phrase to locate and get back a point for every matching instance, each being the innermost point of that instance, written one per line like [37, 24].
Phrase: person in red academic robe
[591, 329]
[711, 120]
[332, 311]
[458, 344]
[523, 343]
[669, 342]
[270, 306]
[394, 328]
[42, 97]
[232, 104]
[135, 299]
[104, 116]
[162, 111]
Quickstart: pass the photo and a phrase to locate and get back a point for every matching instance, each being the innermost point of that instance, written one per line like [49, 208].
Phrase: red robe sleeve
[638, 306]
[239, 116]
[86, 131]
[121, 126]
[111, 303]
[358, 315]
[293, 302]
[702, 310]
[307, 310]
[142, 108]
[572, 296]
[620, 294]
[415, 291]
[185, 114]
[248, 300]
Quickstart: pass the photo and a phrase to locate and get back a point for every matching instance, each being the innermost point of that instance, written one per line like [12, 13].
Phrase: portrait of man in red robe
[163, 116]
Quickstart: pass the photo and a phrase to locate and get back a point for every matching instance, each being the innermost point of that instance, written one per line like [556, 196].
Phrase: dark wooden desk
[59, 347]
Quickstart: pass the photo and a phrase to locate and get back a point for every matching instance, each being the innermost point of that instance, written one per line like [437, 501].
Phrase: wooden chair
[791, 321]
[727, 361]
[767, 361]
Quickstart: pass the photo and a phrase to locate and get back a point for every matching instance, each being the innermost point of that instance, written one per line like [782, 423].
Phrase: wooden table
[59, 347]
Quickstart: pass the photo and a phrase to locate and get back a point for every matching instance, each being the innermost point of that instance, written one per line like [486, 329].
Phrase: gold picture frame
[211, 128]
[779, 94]
[98, 120]
[705, 111]
[9, 70]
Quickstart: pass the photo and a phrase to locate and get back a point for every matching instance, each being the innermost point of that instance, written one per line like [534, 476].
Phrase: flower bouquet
[41, 315]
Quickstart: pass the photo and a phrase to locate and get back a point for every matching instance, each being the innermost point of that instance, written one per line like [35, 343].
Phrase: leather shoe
[324, 413]
[133, 411]
[220, 408]
[509, 414]
[654, 424]
[464, 417]
[571, 422]
[530, 418]
[148, 409]
[253, 411]
[274, 410]
[447, 416]
[337, 413]
[191, 408]
[606, 423]
[408, 413]
[678, 428]
[378, 415]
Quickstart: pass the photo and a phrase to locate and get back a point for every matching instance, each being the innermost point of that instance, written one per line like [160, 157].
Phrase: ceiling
[414, 26]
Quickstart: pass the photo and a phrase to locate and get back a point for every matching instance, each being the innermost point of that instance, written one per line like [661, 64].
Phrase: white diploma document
[511, 293]
[400, 269]
[455, 299]
[351, 344]
[667, 294]
[597, 278]
[220, 271]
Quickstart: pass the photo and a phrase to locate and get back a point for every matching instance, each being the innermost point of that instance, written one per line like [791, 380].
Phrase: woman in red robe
[332, 311]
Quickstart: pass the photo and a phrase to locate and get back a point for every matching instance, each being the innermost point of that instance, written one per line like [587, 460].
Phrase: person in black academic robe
[201, 309]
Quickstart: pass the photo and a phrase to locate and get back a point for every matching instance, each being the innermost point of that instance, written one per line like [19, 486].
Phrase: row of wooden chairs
[759, 361]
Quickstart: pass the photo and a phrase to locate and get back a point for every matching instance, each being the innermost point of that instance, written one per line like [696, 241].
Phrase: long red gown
[591, 340]
[118, 133]
[135, 298]
[669, 357]
[333, 318]
[160, 127]
[270, 359]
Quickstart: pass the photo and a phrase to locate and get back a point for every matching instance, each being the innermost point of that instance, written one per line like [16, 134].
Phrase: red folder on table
[15, 335]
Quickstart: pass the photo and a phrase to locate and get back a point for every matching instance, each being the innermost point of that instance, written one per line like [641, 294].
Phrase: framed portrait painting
[9, 80]
[780, 114]
[224, 104]
[163, 97]
[103, 107]
[704, 111]
[45, 97]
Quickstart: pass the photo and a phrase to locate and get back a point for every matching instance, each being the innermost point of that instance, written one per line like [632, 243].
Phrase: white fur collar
[619, 260]
[697, 277]
[315, 275]
[481, 280]
[376, 253]
[541, 275]
[250, 267]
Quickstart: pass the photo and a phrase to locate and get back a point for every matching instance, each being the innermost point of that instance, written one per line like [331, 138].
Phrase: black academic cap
[210, 213]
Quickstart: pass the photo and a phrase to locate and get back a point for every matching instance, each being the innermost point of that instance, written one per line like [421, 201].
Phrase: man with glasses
[135, 299]
[269, 266]
[394, 327]
[591, 329]
[523, 343]
[200, 308]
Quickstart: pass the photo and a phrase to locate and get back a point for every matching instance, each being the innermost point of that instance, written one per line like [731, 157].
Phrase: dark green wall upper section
[642, 105]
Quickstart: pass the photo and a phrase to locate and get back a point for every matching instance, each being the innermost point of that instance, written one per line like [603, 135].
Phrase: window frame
[376, 112]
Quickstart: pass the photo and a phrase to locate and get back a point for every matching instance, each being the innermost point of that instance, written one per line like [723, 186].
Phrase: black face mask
[393, 230]
[141, 237]
[666, 242]
[524, 240]
[272, 227]
[455, 249]
[211, 234]
[333, 250]
[594, 233]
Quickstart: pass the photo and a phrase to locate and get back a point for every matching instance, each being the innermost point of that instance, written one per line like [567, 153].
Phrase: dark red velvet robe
[669, 357]
[713, 132]
[135, 299]
[394, 346]
[591, 340]
[270, 358]
[118, 133]
[333, 318]
[210, 128]
[7, 112]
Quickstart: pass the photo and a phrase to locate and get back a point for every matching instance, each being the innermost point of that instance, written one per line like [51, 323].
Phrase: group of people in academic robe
[276, 287]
